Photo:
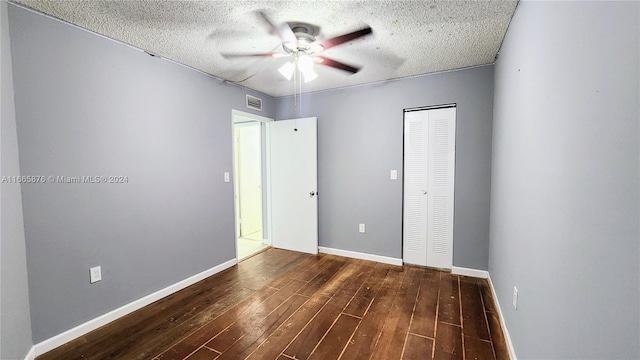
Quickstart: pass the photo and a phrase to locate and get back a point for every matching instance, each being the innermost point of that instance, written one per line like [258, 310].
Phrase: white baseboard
[31, 355]
[482, 274]
[102, 320]
[359, 255]
[512, 352]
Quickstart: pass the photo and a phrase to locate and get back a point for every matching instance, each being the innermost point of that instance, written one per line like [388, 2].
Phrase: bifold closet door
[429, 172]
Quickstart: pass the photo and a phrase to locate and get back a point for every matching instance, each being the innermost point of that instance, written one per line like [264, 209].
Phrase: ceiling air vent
[254, 103]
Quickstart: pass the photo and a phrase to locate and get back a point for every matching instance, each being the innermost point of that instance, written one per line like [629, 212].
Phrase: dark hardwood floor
[285, 305]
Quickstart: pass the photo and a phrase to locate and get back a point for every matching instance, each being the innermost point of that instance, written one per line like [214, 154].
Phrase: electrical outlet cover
[96, 274]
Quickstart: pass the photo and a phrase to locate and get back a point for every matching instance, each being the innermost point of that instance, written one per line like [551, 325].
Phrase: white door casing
[293, 184]
[429, 187]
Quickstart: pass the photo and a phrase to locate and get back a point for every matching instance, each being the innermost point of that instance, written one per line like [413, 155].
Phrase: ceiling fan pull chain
[300, 94]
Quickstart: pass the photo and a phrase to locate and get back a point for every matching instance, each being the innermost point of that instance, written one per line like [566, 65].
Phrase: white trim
[359, 255]
[267, 158]
[31, 355]
[82, 329]
[482, 274]
[249, 116]
[512, 351]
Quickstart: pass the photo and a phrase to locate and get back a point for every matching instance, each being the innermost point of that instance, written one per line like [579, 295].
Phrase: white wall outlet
[394, 174]
[361, 228]
[96, 274]
[227, 178]
[515, 298]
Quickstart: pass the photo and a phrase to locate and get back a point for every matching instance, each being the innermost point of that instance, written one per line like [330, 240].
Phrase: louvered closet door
[429, 167]
[442, 155]
[416, 139]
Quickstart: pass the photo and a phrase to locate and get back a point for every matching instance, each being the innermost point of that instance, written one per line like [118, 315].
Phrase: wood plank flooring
[285, 305]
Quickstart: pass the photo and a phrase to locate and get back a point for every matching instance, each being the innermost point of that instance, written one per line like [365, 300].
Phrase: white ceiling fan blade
[283, 30]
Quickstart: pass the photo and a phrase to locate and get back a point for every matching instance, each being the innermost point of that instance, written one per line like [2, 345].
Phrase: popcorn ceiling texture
[409, 37]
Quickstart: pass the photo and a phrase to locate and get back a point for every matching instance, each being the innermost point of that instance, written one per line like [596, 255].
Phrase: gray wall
[87, 105]
[360, 137]
[15, 319]
[564, 202]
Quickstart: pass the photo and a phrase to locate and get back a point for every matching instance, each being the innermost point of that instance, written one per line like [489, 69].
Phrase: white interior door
[249, 163]
[429, 167]
[293, 183]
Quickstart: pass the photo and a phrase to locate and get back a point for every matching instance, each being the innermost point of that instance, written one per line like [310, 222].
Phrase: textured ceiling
[409, 37]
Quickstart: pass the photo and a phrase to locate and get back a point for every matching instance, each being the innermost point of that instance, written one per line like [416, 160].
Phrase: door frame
[235, 114]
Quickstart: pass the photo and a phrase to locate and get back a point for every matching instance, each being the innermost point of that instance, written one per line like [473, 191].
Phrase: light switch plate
[96, 274]
[394, 174]
[226, 176]
[361, 228]
[515, 298]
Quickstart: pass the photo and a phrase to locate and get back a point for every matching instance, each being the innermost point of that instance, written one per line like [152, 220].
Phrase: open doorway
[249, 183]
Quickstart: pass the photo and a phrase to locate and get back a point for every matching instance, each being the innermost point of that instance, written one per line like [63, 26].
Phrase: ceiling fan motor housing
[305, 35]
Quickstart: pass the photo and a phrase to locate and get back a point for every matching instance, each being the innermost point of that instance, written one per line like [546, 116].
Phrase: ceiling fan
[299, 42]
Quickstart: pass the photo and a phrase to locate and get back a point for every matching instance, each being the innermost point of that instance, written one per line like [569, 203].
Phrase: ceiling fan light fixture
[305, 63]
[309, 75]
[287, 70]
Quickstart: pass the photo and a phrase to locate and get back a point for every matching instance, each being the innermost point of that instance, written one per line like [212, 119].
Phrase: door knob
[424, 192]
[311, 194]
